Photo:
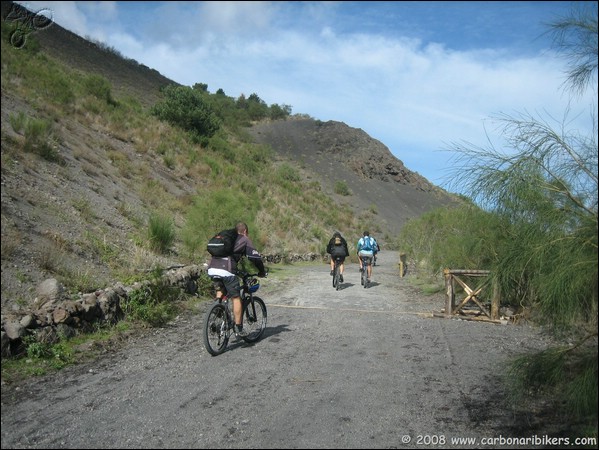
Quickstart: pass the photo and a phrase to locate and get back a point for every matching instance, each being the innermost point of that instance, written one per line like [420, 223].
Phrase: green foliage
[161, 233]
[214, 211]
[205, 285]
[188, 109]
[575, 38]
[253, 160]
[39, 137]
[222, 148]
[279, 112]
[153, 304]
[257, 109]
[35, 69]
[566, 375]
[99, 87]
[17, 121]
[341, 188]
[58, 355]
[286, 172]
[214, 164]
[35, 349]
[464, 237]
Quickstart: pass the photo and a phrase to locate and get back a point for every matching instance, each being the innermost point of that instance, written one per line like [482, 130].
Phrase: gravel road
[354, 368]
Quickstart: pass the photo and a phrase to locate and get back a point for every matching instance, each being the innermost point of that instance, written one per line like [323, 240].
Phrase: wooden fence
[479, 284]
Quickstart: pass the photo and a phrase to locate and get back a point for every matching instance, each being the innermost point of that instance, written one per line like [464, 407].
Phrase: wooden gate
[473, 294]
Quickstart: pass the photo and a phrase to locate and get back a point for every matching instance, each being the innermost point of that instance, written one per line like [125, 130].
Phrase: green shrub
[17, 121]
[161, 233]
[58, 355]
[39, 138]
[286, 172]
[187, 108]
[152, 304]
[341, 188]
[99, 87]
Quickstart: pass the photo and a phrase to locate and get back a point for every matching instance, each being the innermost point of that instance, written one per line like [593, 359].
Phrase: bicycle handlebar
[244, 275]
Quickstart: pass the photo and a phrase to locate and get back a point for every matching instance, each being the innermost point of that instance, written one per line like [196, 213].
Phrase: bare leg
[237, 310]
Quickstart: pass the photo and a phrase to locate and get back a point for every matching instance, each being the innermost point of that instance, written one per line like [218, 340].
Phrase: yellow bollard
[402, 265]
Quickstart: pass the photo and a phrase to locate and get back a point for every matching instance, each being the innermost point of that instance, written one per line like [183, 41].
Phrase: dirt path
[355, 368]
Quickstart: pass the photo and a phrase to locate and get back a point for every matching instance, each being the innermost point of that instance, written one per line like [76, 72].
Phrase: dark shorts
[231, 285]
[340, 258]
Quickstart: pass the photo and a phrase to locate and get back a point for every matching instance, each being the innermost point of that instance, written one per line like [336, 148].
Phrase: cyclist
[366, 246]
[377, 248]
[337, 248]
[226, 267]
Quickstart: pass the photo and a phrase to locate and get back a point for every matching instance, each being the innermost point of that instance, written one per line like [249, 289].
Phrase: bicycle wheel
[336, 277]
[254, 319]
[364, 274]
[216, 329]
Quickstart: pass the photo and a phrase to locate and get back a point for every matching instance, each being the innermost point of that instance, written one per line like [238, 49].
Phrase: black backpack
[223, 243]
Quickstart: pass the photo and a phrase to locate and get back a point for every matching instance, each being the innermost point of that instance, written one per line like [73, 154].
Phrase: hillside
[81, 216]
[333, 151]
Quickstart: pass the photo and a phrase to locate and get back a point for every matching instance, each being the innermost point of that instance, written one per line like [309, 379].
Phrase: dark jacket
[333, 249]
[243, 247]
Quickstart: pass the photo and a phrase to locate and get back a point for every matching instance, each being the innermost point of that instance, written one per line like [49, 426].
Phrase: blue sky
[417, 76]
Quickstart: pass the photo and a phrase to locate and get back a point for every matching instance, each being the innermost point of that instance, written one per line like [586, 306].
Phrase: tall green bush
[464, 237]
[188, 109]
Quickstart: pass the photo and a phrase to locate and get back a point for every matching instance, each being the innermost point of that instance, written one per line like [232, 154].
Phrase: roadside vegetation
[532, 222]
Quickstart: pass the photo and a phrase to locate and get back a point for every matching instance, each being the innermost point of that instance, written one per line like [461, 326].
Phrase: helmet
[366, 233]
[254, 285]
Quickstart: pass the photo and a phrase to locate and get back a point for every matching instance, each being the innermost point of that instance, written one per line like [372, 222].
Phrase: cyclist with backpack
[223, 264]
[366, 248]
[337, 248]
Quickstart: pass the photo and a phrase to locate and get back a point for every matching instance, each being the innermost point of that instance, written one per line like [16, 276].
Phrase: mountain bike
[219, 321]
[366, 261]
[337, 274]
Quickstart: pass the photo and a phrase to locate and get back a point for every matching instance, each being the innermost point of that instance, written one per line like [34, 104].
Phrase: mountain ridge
[334, 152]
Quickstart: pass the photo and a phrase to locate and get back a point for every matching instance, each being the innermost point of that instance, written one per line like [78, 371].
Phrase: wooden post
[449, 293]
[402, 264]
[495, 301]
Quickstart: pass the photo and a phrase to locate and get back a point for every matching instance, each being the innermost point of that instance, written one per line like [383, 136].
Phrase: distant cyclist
[366, 247]
[377, 249]
[337, 248]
